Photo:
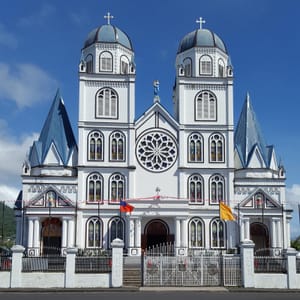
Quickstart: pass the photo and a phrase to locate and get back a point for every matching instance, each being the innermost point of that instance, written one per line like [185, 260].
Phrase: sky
[40, 47]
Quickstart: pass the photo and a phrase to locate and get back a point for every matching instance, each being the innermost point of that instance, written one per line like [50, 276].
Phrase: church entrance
[51, 236]
[259, 234]
[156, 233]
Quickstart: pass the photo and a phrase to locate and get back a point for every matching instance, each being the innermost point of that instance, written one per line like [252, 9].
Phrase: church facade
[173, 170]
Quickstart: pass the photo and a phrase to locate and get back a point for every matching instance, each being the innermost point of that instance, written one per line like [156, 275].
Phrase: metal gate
[200, 270]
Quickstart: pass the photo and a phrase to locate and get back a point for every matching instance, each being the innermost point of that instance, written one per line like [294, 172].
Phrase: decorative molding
[40, 188]
[99, 84]
[250, 190]
[211, 87]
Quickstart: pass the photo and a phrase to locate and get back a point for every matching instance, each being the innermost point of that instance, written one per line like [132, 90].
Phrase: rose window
[156, 151]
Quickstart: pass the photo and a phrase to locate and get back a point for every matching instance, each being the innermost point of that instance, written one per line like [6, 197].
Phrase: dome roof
[201, 38]
[108, 34]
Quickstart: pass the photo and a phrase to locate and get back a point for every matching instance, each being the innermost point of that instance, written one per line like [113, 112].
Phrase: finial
[156, 90]
[108, 16]
[201, 21]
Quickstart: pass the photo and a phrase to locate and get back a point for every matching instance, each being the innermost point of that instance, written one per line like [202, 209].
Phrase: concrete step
[132, 276]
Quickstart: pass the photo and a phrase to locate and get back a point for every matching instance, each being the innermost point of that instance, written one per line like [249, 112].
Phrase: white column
[178, 233]
[132, 241]
[36, 237]
[70, 233]
[247, 229]
[64, 233]
[274, 233]
[30, 232]
[137, 231]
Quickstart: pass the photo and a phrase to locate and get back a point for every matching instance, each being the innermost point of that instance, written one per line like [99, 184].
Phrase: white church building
[174, 168]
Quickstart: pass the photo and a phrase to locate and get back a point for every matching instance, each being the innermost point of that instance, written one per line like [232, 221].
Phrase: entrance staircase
[132, 271]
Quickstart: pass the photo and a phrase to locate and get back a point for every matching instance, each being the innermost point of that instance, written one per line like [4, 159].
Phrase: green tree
[296, 243]
[7, 225]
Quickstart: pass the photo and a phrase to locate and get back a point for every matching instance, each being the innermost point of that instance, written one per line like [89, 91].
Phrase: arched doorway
[259, 234]
[156, 233]
[51, 236]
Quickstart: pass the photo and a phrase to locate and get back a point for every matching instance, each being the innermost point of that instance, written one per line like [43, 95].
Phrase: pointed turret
[56, 136]
[248, 136]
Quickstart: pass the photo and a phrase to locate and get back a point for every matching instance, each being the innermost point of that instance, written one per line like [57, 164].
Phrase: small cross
[201, 21]
[108, 17]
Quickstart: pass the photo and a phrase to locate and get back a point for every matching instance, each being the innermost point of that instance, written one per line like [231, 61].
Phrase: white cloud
[7, 39]
[25, 84]
[37, 17]
[8, 194]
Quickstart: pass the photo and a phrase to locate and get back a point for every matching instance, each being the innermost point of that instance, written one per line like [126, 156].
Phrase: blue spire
[248, 135]
[57, 130]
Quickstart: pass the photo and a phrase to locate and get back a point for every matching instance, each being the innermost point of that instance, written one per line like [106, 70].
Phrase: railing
[270, 264]
[5, 261]
[93, 264]
[166, 249]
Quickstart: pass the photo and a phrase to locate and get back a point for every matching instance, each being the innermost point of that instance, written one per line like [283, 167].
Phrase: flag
[226, 213]
[125, 207]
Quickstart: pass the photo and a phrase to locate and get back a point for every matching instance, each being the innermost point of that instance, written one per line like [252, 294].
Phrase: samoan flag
[125, 207]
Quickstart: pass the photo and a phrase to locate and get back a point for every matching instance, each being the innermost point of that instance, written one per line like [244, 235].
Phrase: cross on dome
[201, 21]
[108, 17]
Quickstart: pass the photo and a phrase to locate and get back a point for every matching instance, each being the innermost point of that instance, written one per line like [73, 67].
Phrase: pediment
[256, 159]
[259, 200]
[50, 198]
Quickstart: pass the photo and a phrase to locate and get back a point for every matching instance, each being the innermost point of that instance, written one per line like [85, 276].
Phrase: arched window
[106, 62]
[107, 104]
[216, 144]
[187, 63]
[117, 146]
[205, 65]
[217, 189]
[196, 233]
[95, 144]
[206, 106]
[195, 185]
[116, 229]
[94, 233]
[195, 142]
[124, 65]
[117, 187]
[89, 63]
[221, 67]
[217, 234]
[94, 187]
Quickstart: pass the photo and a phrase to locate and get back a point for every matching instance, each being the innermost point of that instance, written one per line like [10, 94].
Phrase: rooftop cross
[108, 17]
[201, 21]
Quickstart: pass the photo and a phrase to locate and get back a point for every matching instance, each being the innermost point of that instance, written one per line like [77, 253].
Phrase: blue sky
[40, 46]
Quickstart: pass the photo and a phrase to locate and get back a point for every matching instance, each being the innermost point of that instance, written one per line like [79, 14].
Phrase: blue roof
[57, 130]
[108, 34]
[201, 38]
[248, 135]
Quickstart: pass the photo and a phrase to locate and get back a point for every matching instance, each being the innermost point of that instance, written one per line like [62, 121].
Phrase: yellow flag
[226, 213]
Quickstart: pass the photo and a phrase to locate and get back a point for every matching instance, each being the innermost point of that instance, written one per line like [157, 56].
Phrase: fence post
[70, 267]
[117, 263]
[247, 256]
[16, 266]
[291, 254]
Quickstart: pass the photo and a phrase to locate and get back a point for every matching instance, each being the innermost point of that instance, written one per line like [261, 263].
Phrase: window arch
[216, 144]
[187, 63]
[117, 187]
[95, 146]
[195, 142]
[206, 106]
[94, 233]
[217, 189]
[221, 68]
[107, 103]
[116, 229]
[196, 233]
[117, 146]
[195, 189]
[106, 62]
[89, 63]
[94, 188]
[124, 65]
[217, 234]
[205, 65]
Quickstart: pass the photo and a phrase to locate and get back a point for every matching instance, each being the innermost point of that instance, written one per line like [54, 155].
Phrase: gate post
[16, 266]
[117, 263]
[290, 254]
[70, 267]
[247, 265]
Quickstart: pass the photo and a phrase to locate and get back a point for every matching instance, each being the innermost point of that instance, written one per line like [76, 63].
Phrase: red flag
[125, 207]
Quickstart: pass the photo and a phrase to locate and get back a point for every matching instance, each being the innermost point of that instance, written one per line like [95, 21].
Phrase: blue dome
[201, 38]
[108, 34]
